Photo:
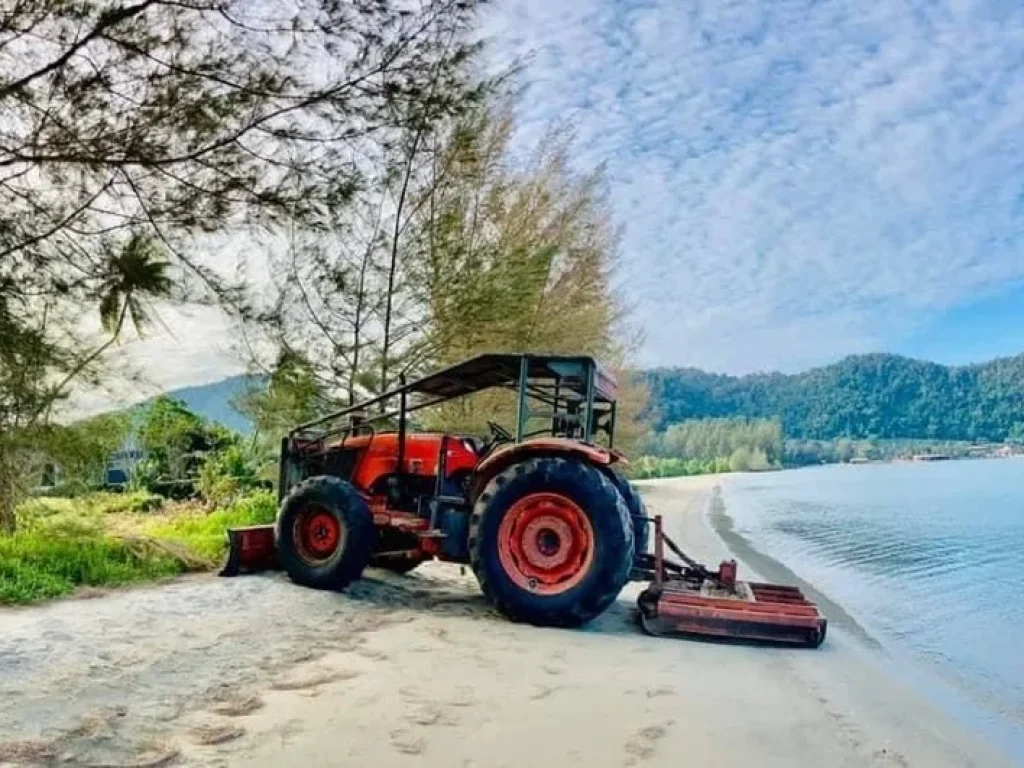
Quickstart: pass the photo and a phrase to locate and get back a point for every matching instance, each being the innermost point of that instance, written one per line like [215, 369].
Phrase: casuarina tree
[132, 126]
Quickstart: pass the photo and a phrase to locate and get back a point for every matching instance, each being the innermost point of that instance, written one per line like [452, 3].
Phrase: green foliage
[86, 513]
[703, 446]
[745, 459]
[291, 395]
[868, 396]
[100, 540]
[82, 449]
[710, 439]
[145, 475]
[177, 442]
[654, 466]
[226, 474]
[809, 452]
[35, 566]
[204, 533]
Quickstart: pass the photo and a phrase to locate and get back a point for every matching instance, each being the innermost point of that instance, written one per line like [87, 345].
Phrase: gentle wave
[924, 557]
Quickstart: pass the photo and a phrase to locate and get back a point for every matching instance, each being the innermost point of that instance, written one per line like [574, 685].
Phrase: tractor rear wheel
[551, 542]
[325, 534]
[637, 512]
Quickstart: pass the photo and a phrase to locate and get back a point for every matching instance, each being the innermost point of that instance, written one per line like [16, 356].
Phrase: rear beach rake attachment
[687, 599]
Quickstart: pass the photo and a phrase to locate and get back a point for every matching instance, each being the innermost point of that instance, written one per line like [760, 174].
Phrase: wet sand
[418, 670]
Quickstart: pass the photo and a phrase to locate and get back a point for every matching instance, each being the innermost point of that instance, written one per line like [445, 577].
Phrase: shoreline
[773, 570]
[957, 706]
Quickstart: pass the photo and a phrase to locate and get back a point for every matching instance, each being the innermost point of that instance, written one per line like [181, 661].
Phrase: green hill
[878, 396]
[214, 401]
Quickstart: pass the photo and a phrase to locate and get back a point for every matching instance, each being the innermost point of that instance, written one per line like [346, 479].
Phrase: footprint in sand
[372, 654]
[238, 706]
[441, 633]
[888, 756]
[407, 743]
[643, 743]
[434, 714]
[410, 695]
[26, 751]
[313, 680]
[212, 735]
[653, 693]
[463, 697]
[543, 691]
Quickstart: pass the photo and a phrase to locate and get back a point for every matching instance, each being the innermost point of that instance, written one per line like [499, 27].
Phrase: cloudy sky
[798, 180]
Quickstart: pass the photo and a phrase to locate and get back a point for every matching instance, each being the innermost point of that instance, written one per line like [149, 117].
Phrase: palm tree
[136, 274]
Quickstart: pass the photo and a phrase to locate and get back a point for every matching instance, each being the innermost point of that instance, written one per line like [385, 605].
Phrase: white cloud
[798, 181]
[185, 346]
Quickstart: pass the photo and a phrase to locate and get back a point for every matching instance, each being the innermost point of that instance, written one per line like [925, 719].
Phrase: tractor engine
[428, 492]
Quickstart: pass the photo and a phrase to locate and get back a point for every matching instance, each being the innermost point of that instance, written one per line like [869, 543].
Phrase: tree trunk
[393, 265]
[8, 490]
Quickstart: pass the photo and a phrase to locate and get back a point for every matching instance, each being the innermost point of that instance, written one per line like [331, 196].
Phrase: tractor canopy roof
[570, 373]
[549, 378]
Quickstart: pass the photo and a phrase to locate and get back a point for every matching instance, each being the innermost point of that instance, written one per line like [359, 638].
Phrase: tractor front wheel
[325, 534]
[551, 542]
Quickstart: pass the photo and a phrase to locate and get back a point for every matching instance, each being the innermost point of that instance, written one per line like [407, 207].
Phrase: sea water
[926, 557]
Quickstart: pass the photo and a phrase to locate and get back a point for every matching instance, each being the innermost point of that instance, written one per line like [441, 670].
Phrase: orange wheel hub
[318, 534]
[546, 543]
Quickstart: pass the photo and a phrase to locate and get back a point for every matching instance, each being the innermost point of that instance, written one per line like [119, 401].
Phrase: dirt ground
[417, 670]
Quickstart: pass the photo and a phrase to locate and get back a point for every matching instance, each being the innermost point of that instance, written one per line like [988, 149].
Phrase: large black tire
[338, 501]
[637, 512]
[605, 573]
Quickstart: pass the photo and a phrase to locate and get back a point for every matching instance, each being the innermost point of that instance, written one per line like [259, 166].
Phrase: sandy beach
[417, 670]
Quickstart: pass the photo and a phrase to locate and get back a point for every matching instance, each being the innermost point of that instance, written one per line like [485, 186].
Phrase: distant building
[121, 465]
[932, 457]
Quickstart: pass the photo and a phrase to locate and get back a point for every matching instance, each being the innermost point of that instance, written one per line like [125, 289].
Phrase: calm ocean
[926, 557]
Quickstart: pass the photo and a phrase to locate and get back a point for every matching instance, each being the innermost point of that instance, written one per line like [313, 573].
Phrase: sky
[797, 180]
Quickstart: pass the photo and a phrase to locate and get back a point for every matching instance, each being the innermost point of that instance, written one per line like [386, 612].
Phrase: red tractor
[539, 511]
[550, 527]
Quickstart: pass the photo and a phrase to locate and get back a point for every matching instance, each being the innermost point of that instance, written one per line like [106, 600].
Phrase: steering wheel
[500, 434]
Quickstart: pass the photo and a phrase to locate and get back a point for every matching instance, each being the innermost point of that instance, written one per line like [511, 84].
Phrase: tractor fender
[509, 454]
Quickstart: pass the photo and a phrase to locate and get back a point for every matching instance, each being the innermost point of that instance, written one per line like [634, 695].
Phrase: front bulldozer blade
[250, 550]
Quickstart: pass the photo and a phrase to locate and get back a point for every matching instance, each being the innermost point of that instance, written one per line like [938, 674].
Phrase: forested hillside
[881, 396]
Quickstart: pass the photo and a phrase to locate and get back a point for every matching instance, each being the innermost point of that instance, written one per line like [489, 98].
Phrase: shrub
[226, 474]
[145, 475]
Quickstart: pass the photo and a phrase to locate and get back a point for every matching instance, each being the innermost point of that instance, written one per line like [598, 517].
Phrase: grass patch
[109, 539]
[203, 533]
[36, 566]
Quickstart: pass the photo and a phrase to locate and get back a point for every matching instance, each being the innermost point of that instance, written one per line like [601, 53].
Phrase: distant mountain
[214, 401]
[880, 395]
[863, 396]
